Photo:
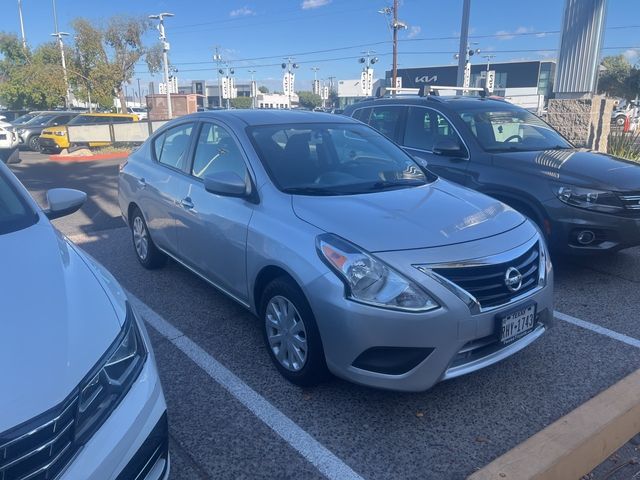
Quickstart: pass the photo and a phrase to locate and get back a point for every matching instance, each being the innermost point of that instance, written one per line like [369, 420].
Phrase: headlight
[370, 281]
[111, 379]
[589, 198]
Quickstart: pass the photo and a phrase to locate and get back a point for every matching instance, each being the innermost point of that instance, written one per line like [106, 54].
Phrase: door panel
[162, 184]
[212, 229]
[424, 128]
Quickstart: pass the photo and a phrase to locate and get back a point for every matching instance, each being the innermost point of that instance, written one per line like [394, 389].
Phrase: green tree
[241, 102]
[309, 100]
[104, 58]
[613, 79]
[30, 79]
[263, 89]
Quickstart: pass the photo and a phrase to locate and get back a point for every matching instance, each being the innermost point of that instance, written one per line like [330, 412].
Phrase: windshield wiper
[386, 184]
[559, 147]
[312, 191]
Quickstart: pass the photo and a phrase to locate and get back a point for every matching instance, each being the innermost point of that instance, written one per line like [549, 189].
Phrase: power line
[383, 42]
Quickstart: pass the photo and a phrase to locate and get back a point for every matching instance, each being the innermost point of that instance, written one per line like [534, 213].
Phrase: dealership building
[528, 84]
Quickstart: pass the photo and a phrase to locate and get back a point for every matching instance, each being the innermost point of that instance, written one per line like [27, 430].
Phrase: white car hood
[56, 323]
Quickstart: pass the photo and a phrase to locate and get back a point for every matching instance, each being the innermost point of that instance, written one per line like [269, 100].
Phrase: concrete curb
[88, 158]
[578, 442]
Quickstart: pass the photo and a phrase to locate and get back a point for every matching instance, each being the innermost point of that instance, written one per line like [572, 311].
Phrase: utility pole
[253, 89]
[217, 57]
[24, 38]
[165, 59]
[59, 35]
[394, 25]
[463, 57]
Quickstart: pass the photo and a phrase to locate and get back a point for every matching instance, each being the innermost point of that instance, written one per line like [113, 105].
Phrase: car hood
[437, 214]
[576, 167]
[57, 322]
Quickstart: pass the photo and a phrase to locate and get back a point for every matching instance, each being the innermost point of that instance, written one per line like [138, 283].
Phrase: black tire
[153, 258]
[314, 370]
[34, 143]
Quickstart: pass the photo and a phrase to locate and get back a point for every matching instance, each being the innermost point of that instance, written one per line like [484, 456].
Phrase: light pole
[59, 35]
[253, 89]
[24, 38]
[366, 79]
[488, 57]
[217, 57]
[165, 60]
[395, 25]
[228, 72]
[316, 85]
[288, 67]
[466, 72]
[464, 40]
[78, 74]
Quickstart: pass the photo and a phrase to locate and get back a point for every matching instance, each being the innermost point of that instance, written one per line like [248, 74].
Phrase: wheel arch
[265, 276]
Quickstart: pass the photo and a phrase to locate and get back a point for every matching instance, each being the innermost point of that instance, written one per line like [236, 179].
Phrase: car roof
[270, 117]
[454, 102]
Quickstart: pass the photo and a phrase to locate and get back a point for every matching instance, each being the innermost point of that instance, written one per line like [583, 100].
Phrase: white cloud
[632, 55]
[507, 35]
[242, 12]
[309, 4]
[414, 31]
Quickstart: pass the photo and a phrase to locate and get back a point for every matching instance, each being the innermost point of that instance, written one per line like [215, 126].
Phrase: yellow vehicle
[55, 139]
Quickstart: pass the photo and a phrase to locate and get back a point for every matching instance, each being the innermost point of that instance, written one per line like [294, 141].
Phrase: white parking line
[318, 455]
[634, 342]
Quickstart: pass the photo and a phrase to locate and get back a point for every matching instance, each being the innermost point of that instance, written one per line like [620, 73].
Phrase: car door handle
[142, 182]
[186, 203]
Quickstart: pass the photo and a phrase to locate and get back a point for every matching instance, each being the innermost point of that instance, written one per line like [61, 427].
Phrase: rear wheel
[34, 143]
[291, 333]
[148, 254]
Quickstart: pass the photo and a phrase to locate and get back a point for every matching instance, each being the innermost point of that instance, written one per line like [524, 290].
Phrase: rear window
[15, 212]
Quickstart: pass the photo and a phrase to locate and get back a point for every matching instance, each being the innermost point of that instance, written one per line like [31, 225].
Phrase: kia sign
[491, 80]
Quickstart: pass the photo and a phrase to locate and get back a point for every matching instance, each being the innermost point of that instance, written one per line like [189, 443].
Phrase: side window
[425, 127]
[216, 151]
[171, 147]
[362, 114]
[385, 119]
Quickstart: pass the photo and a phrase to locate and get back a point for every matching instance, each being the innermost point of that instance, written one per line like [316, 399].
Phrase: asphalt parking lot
[233, 416]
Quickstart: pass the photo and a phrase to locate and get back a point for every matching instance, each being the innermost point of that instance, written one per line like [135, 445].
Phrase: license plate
[516, 324]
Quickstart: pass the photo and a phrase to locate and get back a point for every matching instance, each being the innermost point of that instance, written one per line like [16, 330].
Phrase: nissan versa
[356, 259]
[584, 202]
[80, 397]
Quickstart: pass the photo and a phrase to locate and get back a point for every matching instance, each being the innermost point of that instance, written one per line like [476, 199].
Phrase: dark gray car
[583, 201]
[29, 133]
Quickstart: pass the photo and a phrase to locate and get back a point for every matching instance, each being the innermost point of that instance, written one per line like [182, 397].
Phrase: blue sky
[249, 30]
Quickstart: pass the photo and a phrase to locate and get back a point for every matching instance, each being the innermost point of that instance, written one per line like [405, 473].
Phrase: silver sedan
[356, 258]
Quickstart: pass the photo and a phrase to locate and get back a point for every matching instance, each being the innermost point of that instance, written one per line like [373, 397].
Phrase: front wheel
[34, 143]
[291, 333]
[149, 256]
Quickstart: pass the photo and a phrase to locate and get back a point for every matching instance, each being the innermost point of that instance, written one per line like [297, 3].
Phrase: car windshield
[88, 119]
[22, 119]
[15, 212]
[41, 120]
[334, 159]
[510, 129]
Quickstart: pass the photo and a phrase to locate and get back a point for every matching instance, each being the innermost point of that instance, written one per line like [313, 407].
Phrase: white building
[173, 86]
[350, 91]
[276, 100]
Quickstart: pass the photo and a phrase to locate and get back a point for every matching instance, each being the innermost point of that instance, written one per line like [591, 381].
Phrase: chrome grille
[40, 448]
[486, 283]
[631, 201]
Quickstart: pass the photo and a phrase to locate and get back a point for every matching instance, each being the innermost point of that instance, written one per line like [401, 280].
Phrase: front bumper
[453, 340]
[47, 143]
[129, 435]
[611, 232]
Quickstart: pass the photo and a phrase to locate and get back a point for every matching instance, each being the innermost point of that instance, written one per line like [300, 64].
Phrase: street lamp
[59, 36]
[253, 89]
[165, 50]
[288, 67]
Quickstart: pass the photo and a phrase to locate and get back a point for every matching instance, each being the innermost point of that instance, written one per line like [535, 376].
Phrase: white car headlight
[370, 281]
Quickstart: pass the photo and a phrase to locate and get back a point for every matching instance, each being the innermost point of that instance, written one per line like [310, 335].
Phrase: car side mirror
[226, 183]
[448, 147]
[63, 201]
